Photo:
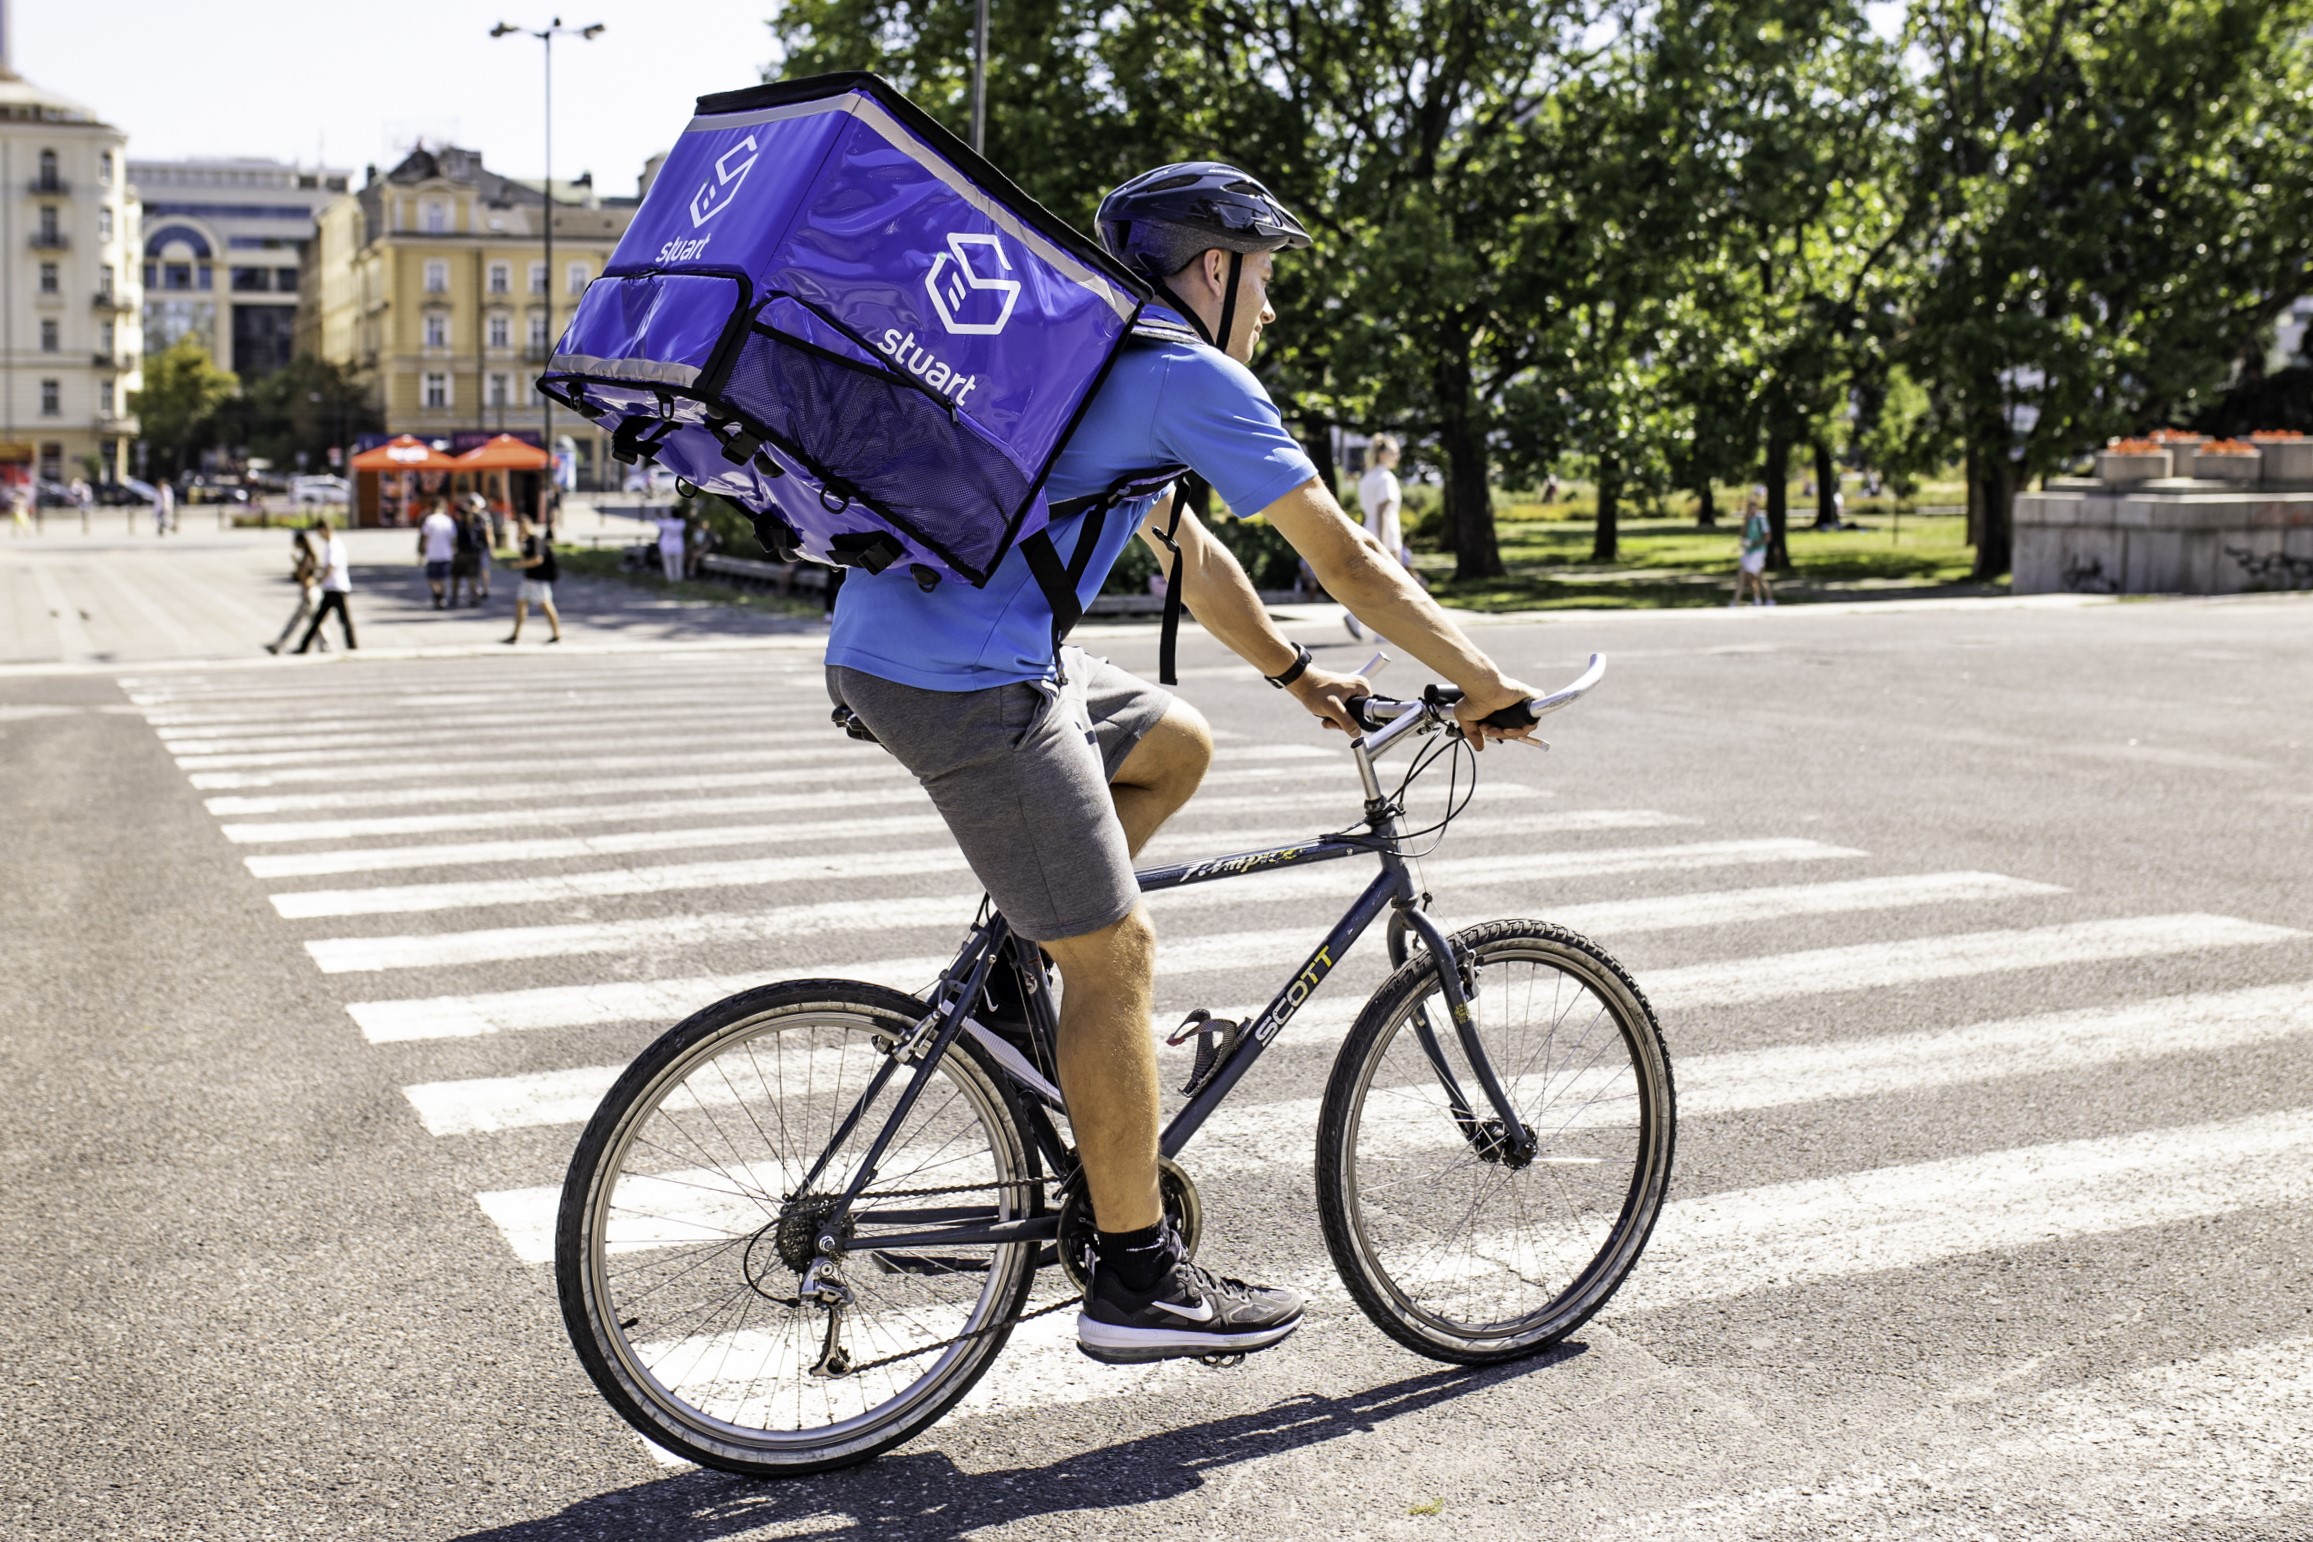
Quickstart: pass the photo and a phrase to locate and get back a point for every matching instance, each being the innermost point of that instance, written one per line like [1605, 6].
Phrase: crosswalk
[503, 878]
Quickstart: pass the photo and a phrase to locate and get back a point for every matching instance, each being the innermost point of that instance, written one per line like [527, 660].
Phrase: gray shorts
[1020, 773]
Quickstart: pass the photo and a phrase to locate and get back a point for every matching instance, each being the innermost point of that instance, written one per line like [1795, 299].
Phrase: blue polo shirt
[1162, 404]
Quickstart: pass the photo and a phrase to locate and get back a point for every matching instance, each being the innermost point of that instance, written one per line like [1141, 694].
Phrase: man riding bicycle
[1052, 771]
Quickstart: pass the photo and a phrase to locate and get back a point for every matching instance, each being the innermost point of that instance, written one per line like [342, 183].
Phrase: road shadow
[922, 1496]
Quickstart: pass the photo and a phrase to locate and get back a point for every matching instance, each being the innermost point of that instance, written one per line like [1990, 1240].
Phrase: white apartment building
[70, 290]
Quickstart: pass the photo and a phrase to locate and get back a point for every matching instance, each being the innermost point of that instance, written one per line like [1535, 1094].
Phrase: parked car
[51, 495]
[317, 490]
[655, 481]
[211, 489]
[126, 491]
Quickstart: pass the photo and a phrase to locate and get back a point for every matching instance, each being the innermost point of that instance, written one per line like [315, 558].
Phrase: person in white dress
[1382, 501]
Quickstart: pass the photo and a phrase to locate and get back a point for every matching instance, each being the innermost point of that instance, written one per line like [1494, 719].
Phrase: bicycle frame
[1504, 1138]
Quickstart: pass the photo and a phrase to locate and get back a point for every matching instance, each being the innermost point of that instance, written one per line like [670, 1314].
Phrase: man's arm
[1354, 569]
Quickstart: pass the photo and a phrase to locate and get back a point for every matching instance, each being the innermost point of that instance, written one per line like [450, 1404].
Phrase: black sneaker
[1191, 1312]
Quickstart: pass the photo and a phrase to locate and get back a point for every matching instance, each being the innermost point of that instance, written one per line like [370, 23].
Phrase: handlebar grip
[1519, 714]
[1358, 714]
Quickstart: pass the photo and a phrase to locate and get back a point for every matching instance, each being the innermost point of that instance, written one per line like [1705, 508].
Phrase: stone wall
[2166, 536]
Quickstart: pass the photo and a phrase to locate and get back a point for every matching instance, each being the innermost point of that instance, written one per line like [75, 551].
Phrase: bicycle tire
[602, 1312]
[1408, 1284]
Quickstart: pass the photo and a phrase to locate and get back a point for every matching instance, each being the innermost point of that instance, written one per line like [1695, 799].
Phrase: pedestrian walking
[1381, 499]
[538, 575]
[20, 507]
[164, 507]
[470, 556]
[672, 532]
[83, 499]
[1751, 566]
[336, 585]
[305, 569]
[438, 549]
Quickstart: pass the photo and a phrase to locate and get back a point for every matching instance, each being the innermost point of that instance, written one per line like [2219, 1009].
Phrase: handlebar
[1385, 719]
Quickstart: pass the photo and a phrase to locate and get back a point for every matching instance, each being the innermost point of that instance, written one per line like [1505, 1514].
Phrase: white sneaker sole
[1114, 1344]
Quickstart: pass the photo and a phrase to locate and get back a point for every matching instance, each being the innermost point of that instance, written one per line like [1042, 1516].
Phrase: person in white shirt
[438, 548]
[336, 584]
[1382, 501]
[672, 531]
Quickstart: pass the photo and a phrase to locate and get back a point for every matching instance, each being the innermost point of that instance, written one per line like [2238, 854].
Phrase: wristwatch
[1292, 671]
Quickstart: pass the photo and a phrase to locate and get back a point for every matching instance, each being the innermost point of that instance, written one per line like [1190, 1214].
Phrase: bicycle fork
[1505, 1138]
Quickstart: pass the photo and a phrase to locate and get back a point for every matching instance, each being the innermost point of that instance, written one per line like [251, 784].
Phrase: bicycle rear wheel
[690, 1218]
[1449, 1248]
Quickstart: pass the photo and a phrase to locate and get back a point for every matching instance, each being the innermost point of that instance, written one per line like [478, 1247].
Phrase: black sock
[1137, 1258]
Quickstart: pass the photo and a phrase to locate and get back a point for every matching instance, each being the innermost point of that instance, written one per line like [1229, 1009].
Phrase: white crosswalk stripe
[557, 816]
[383, 859]
[344, 955]
[497, 819]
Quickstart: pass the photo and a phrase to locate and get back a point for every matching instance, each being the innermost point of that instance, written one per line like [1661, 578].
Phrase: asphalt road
[1990, 1215]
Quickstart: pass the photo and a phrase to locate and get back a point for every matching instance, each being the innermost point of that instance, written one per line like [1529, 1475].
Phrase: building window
[105, 338]
[51, 399]
[48, 278]
[577, 278]
[501, 330]
[48, 182]
[285, 280]
[437, 390]
[252, 280]
[176, 275]
[103, 278]
[51, 461]
[49, 342]
[498, 390]
[104, 222]
[104, 167]
[501, 278]
[48, 234]
[538, 278]
[437, 216]
[538, 332]
[437, 330]
[437, 276]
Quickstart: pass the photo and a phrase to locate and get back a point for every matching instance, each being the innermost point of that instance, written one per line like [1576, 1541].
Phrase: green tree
[291, 417]
[183, 388]
[2122, 191]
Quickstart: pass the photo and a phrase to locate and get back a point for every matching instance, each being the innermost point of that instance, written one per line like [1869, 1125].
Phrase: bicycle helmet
[1159, 221]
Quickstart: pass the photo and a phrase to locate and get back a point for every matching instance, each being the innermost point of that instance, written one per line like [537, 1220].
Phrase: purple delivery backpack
[831, 312]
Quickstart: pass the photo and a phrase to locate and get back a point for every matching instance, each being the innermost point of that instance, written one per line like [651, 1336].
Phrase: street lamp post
[546, 35]
[980, 77]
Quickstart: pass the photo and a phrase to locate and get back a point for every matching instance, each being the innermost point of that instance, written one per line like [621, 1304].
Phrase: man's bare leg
[1108, 1069]
[1161, 773]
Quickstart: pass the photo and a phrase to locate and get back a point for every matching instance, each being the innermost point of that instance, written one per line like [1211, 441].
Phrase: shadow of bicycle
[923, 1496]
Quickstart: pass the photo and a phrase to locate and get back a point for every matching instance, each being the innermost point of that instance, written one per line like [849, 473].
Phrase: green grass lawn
[591, 562]
[1668, 561]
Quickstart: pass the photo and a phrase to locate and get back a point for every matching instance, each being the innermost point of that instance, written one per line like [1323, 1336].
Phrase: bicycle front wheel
[1451, 1247]
[692, 1215]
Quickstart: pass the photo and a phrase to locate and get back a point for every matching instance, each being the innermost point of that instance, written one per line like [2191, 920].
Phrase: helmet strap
[1229, 301]
[1188, 312]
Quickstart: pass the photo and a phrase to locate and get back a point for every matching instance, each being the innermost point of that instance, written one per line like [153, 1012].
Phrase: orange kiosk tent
[415, 467]
[504, 455]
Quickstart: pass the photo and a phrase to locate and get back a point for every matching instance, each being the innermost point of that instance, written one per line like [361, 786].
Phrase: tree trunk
[1317, 439]
[1605, 546]
[1975, 500]
[1826, 487]
[1469, 508]
[1995, 488]
[1778, 499]
[1706, 511]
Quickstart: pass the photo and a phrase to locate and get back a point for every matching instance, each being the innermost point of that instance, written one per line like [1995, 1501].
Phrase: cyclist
[1051, 772]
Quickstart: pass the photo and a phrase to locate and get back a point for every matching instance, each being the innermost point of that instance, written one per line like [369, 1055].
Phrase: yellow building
[432, 281]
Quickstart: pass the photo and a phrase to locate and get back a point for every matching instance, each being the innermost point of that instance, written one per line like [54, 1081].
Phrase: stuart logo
[714, 197]
[959, 292]
[919, 361]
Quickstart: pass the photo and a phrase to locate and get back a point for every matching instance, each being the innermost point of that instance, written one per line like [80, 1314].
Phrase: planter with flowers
[2126, 462]
[2228, 460]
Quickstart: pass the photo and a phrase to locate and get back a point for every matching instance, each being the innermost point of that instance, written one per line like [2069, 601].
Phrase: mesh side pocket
[907, 458]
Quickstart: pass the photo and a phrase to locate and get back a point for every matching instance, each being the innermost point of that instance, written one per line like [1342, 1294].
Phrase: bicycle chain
[974, 1333]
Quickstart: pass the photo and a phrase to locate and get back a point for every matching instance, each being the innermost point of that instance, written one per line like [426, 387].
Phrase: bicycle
[840, 1194]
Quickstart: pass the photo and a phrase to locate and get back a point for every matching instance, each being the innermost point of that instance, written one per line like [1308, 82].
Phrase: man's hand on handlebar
[1328, 695]
[1481, 703]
